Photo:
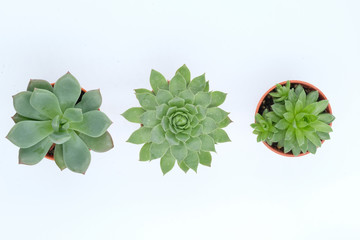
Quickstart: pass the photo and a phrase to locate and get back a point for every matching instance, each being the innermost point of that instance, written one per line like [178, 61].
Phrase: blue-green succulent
[62, 115]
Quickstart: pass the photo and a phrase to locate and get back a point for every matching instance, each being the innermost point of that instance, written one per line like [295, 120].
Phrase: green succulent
[281, 93]
[300, 121]
[263, 127]
[181, 121]
[60, 115]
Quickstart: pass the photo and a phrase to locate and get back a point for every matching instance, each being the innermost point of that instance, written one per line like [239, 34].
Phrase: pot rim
[308, 85]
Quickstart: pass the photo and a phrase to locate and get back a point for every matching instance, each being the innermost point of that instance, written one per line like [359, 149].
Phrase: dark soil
[51, 151]
[268, 101]
[52, 148]
[80, 97]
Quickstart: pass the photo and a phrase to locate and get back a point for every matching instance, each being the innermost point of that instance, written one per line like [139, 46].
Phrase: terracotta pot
[48, 156]
[304, 84]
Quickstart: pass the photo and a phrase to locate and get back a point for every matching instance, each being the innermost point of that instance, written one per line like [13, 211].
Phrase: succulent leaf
[217, 98]
[163, 97]
[73, 114]
[171, 138]
[205, 158]
[207, 143]
[167, 162]
[140, 136]
[157, 150]
[94, 124]
[217, 114]
[183, 166]
[177, 102]
[18, 118]
[185, 72]
[147, 100]
[143, 90]
[98, 144]
[209, 125]
[224, 123]
[38, 83]
[46, 103]
[145, 154]
[158, 81]
[28, 133]
[90, 101]
[179, 151]
[311, 147]
[207, 87]
[59, 157]
[323, 135]
[321, 127]
[177, 122]
[149, 119]
[220, 136]
[201, 115]
[161, 111]
[183, 137]
[177, 84]
[312, 97]
[23, 107]
[133, 114]
[157, 134]
[194, 144]
[299, 89]
[278, 109]
[320, 107]
[202, 99]
[192, 160]
[76, 154]
[197, 84]
[59, 137]
[67, 89]
[35, 153]
[188, 96]
[326, 118]
[55, 123]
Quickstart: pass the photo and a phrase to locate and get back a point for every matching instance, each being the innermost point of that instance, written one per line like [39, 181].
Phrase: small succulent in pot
[297, 121]
[180, 121]
[60, 115]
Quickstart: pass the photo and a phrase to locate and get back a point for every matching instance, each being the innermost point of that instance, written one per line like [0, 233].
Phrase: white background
[244, 47]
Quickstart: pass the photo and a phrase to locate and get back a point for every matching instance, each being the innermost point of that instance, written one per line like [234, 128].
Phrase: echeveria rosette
[47, 115]
[181, 121]
[301, 121]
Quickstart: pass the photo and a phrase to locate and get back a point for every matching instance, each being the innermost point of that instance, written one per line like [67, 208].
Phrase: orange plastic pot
[306, 85]
[49, 156]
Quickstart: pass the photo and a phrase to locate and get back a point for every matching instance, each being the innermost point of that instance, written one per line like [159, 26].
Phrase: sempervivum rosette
[180, 121]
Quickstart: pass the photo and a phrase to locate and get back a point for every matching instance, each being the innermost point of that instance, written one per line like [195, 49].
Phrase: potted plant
[293, 118]
[60, 121]
[180, 121]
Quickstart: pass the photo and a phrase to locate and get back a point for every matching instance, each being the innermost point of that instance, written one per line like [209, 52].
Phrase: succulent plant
[62, 115]
[264, 128]
[281, 93]
[297, 123]
[180, 121]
